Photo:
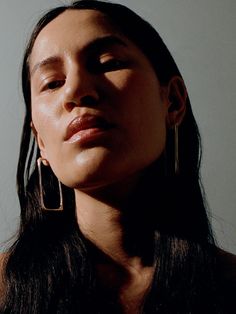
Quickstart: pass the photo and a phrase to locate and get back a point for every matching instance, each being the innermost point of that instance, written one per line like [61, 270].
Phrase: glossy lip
[86, 127]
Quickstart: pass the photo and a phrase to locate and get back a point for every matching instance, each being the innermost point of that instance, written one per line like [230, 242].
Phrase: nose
[80, 90]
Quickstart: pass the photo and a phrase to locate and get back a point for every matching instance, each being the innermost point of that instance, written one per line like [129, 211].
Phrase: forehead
[71, 25]
[78, 21]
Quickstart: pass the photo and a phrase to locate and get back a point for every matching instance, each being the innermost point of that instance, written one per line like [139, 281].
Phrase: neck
[118, 223]
[114, 224]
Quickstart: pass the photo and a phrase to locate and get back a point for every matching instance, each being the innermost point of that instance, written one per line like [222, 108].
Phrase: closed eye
[112, 65]
[107, 66]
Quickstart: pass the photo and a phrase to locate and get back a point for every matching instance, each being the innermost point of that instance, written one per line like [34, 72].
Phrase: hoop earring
[176, 130]
[60, 208]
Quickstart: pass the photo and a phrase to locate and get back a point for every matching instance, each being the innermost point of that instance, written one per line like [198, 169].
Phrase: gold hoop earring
[60, 208]
[176, 130]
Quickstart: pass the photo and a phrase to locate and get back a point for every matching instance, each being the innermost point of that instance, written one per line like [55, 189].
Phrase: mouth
[86, 127]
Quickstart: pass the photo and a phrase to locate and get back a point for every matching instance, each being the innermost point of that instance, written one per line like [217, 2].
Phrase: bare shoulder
[2, 263]
[226, 279]
[227, 264]
[3, 259]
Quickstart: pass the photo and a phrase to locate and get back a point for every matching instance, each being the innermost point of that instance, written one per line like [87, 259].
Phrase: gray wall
[201, 36]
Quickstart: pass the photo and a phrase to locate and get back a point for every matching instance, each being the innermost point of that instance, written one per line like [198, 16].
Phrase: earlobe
[33, 129]
[39, 142]
[177, 96]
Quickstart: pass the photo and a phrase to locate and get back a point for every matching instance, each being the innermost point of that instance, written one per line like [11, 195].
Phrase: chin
[98, 169]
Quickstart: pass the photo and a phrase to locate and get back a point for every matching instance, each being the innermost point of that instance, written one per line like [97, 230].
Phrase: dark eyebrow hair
[104, 42]
[96, 45]
[45, 62]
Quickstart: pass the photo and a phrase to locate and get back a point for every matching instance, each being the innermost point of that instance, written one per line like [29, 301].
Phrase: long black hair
[50, 267]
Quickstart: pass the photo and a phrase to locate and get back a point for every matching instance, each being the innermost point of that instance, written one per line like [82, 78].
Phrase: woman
[126, 230]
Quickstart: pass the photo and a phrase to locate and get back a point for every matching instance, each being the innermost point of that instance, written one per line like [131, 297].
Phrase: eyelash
[97, 67]
[112, 65]
[53, 84]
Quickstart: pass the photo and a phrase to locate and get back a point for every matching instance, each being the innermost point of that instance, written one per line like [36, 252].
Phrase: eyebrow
[48, 61]
[96, 45]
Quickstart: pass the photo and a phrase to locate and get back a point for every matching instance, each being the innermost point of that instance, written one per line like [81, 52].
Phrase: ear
[40, 144]
[177, 96]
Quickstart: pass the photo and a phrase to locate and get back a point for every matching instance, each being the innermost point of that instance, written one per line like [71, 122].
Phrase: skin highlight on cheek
[128, 95]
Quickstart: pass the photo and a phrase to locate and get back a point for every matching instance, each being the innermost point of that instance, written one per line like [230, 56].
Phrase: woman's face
[98, 110]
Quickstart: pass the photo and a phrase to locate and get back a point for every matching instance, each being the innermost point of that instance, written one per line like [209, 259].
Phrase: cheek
[124, 81]
[140, 105]
[45, 122]
[141, 111]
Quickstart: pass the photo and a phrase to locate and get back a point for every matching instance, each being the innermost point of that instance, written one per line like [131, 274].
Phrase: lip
[86, 127]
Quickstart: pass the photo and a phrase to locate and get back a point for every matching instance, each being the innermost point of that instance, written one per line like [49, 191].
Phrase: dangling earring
[176, 130]
[60, 208]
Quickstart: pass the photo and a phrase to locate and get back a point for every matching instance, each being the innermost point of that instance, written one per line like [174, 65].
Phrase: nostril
[88, 101]
[84, 101]
[70, 105]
